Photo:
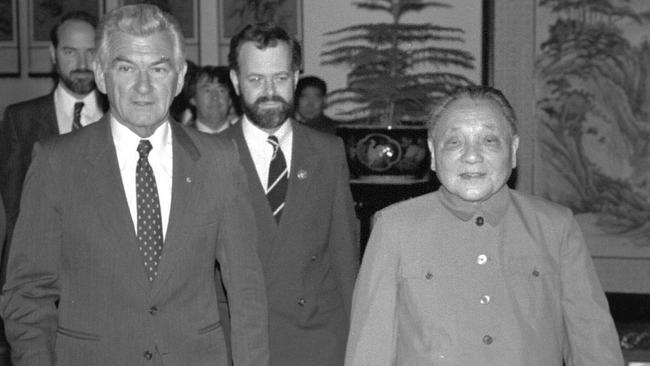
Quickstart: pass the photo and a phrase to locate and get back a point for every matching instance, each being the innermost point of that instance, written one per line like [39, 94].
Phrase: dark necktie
[278, 179]
[76, 115]
[150, 238]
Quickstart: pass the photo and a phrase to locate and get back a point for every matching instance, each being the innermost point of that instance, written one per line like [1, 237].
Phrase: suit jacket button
[314, 258]
[153, 310]
[479, 221]
[148, 355]
[488, 339]
[302, 301]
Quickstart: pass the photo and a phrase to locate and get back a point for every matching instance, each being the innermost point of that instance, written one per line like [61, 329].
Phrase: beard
[268, 118]
[78, 81]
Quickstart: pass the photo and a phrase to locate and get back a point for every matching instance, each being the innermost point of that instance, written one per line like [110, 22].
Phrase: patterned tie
[76, 116]
[150, 238]
[278, 180]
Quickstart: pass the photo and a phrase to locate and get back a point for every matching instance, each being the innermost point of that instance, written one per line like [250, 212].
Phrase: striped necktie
[76, 115]
[278, 179]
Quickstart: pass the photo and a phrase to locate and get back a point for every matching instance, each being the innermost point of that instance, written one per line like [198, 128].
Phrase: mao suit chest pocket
[427, 286]
[534, 283]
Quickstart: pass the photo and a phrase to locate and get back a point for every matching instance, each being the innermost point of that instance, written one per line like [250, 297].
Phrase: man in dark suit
[113, 256]
[71, 50]
[301, 196]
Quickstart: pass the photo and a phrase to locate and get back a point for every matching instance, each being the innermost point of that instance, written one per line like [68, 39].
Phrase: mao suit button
[480, 221]
[314, 258]
[153, 310]
[485, 299]
[148, 355]
[488, 339]
[302, 301]
[535, 273]
[482, 259]
[428, 276]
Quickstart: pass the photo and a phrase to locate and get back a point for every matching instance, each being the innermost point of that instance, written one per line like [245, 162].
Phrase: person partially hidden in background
[310, 104]
[214, 99]
[74, 103]
[476, 273]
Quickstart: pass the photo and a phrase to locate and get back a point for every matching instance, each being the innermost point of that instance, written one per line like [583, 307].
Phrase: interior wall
[512, 62]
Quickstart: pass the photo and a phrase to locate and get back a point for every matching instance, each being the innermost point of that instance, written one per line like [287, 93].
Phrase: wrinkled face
[473, 149]
[73, 56]
[265, 83]
[212, 102]
[140, 78]
[311, 102]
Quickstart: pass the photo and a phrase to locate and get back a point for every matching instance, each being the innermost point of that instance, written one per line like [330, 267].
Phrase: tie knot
[273, 140]
[144, 147]
[78, 106]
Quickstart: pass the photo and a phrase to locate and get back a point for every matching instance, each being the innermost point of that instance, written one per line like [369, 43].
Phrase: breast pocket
[426, 286]
[535, 284]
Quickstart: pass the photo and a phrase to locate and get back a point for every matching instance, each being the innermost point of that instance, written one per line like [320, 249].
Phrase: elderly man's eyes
[451, 142]
[124, 68]
[492, 140]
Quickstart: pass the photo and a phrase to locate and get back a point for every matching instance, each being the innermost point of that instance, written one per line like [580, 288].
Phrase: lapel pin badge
[302, 174]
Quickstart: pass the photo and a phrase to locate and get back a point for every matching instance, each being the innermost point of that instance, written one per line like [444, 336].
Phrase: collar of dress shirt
[493, 209]
[256, 139]
[66, 101]
[126, 142]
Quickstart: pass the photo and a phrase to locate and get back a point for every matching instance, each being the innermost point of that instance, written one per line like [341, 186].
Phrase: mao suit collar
[493, 209]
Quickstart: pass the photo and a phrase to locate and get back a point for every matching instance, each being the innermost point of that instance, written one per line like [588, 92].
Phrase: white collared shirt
[64, 107]
[262, 151]
[161, 161]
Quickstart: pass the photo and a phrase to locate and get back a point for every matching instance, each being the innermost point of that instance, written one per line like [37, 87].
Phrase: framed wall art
[10, 60]
[236, 14]
[592, 81]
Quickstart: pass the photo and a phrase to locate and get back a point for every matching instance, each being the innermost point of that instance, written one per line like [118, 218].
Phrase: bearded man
[298, 183]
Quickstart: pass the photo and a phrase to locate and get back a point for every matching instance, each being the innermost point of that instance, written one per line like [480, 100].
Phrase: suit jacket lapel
[304, 165]
[186, 156]
[303, 168]
[267, 228]
[47, 116]
[105, 181]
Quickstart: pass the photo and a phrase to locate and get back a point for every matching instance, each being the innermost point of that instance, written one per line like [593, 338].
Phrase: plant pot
[386, 154]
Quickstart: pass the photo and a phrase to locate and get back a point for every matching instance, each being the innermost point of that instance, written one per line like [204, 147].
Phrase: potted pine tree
[397, 72]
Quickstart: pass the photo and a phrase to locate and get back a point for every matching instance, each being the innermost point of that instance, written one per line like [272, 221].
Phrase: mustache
[81, 71]
[273, 98]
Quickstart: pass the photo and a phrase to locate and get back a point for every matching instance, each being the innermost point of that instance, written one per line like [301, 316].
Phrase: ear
[100, 79]
[181, 79]
[52, 54]
[433, 153]
[296, 76]
[234, 79]
[514, 147]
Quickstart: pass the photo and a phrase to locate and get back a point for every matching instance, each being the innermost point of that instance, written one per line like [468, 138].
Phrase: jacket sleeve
[372, 337]
[242, 274]
[344, 230]
[592, 337]
[32, 287]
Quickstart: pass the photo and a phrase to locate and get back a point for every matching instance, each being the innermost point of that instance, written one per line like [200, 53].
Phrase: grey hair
[140, 20]
[475, 92]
